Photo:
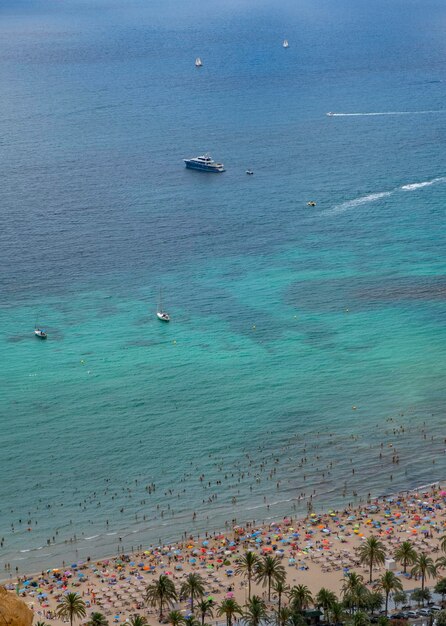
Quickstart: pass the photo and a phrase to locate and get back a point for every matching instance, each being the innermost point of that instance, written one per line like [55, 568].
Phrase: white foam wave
[92, 537]
[374, 113]
[351, 204]
[373, 197]
[426, 183]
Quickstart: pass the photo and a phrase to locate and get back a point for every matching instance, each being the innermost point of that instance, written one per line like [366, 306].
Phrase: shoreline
[196, 533]
[314, 546]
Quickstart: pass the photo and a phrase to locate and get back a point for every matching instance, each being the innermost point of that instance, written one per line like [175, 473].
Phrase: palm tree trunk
[422, 584]
[249, 585]
[371, 568]
[269, 588]
[161, 608]
[404, 565]
[387, 603]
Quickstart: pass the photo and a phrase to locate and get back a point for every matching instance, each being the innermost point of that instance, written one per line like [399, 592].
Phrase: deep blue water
[296, 332]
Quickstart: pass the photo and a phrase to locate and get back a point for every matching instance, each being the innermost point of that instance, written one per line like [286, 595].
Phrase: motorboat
[249, 172]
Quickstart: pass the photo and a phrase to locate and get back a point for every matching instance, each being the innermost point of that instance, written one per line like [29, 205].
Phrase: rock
[13, 611]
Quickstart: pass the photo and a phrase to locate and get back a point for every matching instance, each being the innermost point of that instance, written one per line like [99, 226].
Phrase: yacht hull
[202, 167]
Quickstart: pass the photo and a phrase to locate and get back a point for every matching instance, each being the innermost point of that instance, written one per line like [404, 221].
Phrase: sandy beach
[316, 551]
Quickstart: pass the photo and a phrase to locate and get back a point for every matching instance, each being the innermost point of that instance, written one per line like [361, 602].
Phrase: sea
[303, 367]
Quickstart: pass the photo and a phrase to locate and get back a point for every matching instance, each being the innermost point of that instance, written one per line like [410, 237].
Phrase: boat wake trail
[374, 197]
[385, 113]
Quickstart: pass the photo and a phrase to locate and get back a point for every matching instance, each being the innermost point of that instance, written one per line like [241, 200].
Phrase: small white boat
[285, 43]
[249, 172]
[198, 62]
[40, 333]
[330, 114]
[162, 315]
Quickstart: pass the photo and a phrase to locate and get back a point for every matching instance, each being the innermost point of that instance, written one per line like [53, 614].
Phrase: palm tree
[71, 606]
[351, 582]
[389, 583]
[405, 554]
[440, 563]
[191, 621]
[373, 601]
[247, 567]
[399, 597]
[354, 592]
[424, 567]
[255, 612]
[325, 600]
[41, 624]
[296, 619]
[97, 619]
[440, 588]
[270, 570]
[300, 597]
[443, 543]
[175, 618]
[420, 595]
[161, 593]
[193, 587]
[337, 613]
[359, 619]
[205, 608]
[372, 552]
[283, 615]
[229, 608]
[137, 620]
[280, 588]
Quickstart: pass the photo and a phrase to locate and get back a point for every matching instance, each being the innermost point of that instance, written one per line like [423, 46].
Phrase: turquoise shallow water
[301, 338]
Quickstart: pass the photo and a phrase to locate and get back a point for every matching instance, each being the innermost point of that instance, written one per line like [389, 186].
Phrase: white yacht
[204, 163]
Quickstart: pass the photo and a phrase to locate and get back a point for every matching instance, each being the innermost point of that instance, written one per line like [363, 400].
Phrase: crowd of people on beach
[318, 550]
[327, 464]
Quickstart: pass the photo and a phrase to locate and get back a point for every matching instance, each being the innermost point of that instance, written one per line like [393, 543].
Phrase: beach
[302, 369]
[317, 551]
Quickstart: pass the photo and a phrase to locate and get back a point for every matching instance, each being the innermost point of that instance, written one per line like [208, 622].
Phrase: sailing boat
[162, 315]
[198, 62]
[285, 43]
